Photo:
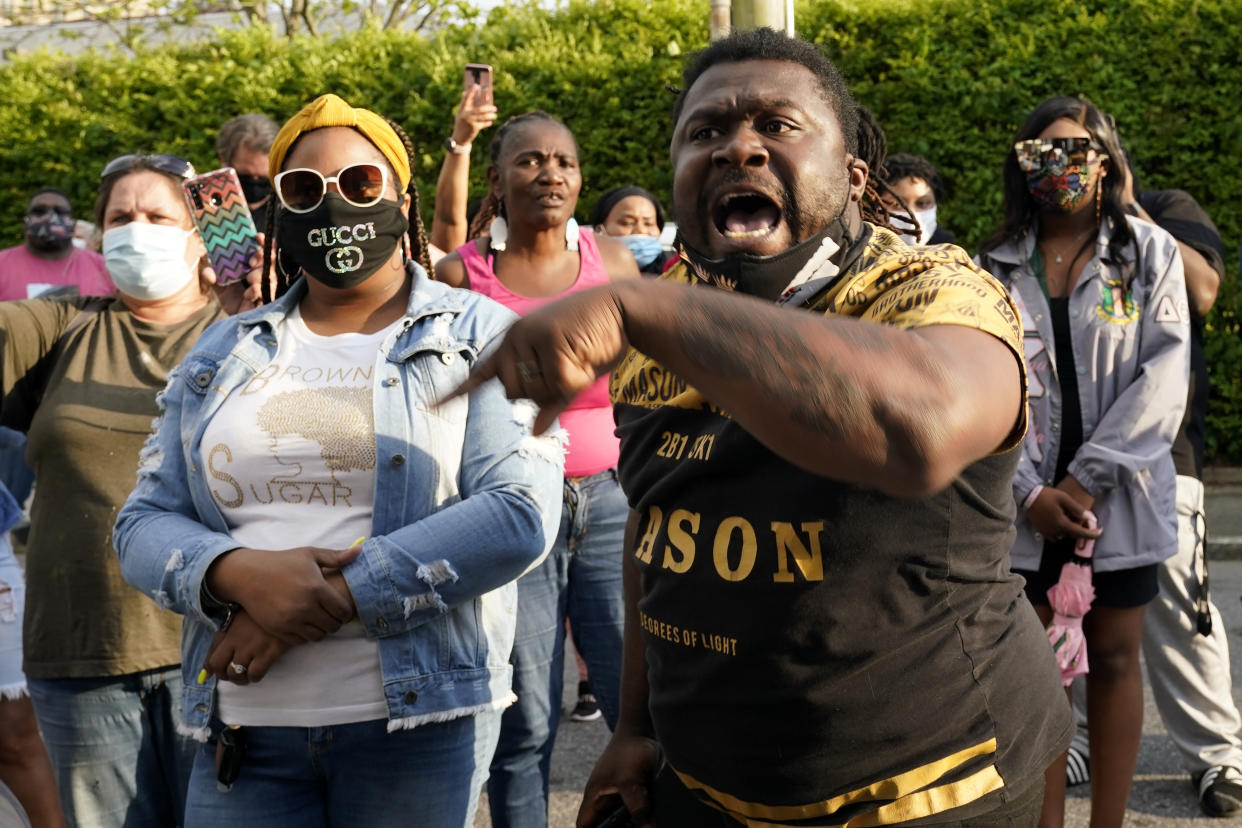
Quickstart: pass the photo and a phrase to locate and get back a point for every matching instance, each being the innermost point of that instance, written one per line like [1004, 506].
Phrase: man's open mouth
[746, 215]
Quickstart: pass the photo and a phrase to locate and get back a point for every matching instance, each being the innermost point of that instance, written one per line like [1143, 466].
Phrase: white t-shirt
[291, 461]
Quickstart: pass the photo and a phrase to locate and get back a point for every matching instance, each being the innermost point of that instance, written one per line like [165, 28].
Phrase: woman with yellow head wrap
[343, 547]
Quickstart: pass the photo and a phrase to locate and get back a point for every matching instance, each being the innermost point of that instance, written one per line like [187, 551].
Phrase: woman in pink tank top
[532, 252]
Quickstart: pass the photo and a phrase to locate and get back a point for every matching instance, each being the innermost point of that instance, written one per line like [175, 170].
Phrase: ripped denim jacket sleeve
[164, 548]
[504, 521]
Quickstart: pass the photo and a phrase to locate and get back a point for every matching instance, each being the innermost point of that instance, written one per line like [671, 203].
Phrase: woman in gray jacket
[1106, 324]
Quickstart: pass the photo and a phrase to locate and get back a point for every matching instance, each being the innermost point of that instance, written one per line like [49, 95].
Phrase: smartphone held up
[480, 75]
[224, 222]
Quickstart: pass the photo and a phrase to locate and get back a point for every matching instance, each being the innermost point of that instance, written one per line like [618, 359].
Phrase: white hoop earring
[571, 234]
[498, 232]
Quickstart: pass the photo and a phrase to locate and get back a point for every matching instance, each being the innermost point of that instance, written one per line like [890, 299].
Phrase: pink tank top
[593, 445]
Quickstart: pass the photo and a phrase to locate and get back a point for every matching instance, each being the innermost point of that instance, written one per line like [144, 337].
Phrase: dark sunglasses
[41, 210]
[1066, 152]
[162, 161]
[302, 190]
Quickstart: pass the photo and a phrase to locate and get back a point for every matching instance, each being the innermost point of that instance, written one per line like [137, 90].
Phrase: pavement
[1162, 796]
[1223, 505]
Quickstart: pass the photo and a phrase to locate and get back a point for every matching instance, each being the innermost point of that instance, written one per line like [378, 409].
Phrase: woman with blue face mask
[635, 218]
[80, 375]
[1106, 329]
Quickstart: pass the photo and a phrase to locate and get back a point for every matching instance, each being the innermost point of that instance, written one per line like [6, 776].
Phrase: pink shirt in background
[24, 275]
[593, 444]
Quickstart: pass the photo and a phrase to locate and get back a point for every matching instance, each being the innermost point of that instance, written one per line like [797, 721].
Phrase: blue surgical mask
[147, 261]
[645, 248]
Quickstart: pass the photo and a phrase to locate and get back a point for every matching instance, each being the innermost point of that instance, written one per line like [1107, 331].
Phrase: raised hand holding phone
[224, 222]
[480, 75]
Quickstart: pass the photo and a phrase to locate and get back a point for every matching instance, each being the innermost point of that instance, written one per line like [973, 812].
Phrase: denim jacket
[1132, 357]
[466, 501]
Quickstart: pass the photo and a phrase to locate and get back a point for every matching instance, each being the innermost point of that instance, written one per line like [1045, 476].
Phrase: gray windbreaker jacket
[1132, 356]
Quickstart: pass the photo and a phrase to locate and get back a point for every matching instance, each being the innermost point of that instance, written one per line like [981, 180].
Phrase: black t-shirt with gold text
[820, 653]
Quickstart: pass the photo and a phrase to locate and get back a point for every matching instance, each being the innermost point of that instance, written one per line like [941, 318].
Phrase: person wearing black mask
[243, 144]
[819, 426]
[321, 472]
[48, 260]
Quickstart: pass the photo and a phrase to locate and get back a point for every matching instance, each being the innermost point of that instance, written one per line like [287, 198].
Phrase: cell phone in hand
[224, 222]
[480, 75]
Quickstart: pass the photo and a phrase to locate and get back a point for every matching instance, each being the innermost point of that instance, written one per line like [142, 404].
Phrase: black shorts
[1121, 589]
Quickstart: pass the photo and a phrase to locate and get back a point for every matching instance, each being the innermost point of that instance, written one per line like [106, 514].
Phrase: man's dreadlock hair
[873, 149]
[769, 44]
[491, 205]
[285, 269]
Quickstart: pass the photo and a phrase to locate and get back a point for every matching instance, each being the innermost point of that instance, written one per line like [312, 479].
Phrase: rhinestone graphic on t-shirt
[339, 419]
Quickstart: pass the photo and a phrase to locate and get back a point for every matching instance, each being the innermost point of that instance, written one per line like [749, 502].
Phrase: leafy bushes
[949, 79]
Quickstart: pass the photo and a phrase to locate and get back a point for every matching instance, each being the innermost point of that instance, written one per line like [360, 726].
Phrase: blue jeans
[349, 775]
[12, 604]
[17, 477]
[581, 580]
[114, 747]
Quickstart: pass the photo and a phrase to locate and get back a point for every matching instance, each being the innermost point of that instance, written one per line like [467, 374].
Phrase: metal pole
[720, 19]
[753, 14]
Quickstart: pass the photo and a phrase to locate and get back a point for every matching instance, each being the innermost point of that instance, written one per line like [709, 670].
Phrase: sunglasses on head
[1069, 152]
[162, 161]
[302, 190]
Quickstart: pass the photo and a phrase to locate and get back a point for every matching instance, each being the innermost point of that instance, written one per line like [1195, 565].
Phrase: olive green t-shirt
[87, 403]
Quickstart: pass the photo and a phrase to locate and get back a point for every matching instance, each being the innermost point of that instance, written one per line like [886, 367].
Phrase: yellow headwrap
[330, 111]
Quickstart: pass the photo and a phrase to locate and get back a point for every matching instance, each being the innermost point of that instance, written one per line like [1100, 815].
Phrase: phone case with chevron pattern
[224, 222]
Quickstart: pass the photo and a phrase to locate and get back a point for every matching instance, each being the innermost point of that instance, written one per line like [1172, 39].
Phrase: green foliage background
[949, 79]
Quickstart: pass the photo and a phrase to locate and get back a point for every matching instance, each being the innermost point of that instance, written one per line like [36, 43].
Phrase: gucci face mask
[341, 244]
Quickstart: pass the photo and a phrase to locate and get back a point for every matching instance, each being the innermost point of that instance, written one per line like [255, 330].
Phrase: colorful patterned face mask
[1059, 171]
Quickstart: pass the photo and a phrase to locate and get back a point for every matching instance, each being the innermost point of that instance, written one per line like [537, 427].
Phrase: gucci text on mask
[342, 259]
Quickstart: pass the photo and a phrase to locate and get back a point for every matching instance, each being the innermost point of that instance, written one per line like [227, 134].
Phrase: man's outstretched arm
[900, 411]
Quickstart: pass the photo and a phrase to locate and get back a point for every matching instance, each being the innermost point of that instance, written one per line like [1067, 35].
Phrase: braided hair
[492, 206]
[286, 270]
[417, 233]
[873, 149]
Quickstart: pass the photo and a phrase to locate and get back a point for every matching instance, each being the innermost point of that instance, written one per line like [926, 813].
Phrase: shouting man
[818, 427]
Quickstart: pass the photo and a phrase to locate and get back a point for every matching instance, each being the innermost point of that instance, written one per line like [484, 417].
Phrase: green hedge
[949, 79]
